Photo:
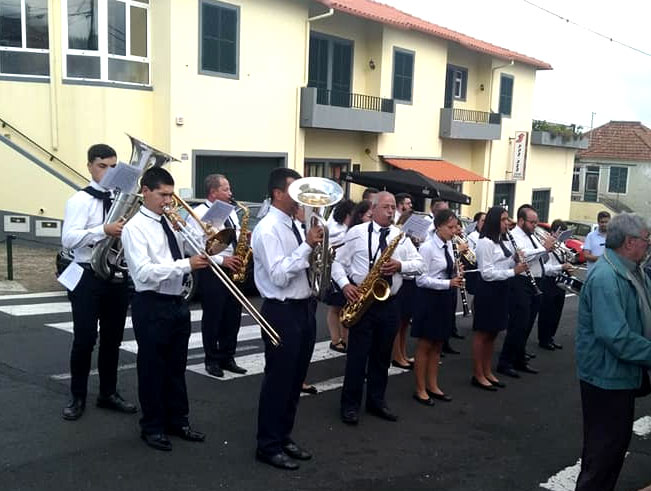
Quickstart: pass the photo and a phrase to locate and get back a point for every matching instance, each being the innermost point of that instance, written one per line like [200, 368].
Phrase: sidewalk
[34, 268]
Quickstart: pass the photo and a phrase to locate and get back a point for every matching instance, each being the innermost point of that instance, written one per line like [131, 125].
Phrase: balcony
[463, 124]
[548, 139]
[335, 110]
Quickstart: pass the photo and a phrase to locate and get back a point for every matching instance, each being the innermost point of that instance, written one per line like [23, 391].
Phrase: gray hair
[213, 181]
[376, 197]
[622, 226]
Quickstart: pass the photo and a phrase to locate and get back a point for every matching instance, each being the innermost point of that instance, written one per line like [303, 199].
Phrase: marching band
[369, 259]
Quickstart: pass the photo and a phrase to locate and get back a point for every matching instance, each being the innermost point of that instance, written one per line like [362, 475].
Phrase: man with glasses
[524, 302]
[613, 350]
[595, 242]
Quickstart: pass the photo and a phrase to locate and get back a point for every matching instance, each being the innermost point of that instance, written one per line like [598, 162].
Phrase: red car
[573, 243]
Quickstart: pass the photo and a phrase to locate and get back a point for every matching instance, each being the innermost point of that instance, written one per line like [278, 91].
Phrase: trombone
[172, 214]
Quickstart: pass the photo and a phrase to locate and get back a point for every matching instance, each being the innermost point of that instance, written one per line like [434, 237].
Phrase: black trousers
[285, 370]
[162, 327]
[523, 309]
[607, 430]
[220, 322]
[551, 309]
[370, 343]
[95, 300]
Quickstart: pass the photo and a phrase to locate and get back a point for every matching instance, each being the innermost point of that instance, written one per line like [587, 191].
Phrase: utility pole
[591, 126]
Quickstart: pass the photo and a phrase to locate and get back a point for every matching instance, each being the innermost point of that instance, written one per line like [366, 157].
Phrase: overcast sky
[590, 74]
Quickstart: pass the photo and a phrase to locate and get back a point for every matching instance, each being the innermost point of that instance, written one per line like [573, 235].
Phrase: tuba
[317, 195]
[107, 259]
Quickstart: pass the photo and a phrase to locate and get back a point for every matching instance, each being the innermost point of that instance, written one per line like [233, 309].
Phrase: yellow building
[242, 86]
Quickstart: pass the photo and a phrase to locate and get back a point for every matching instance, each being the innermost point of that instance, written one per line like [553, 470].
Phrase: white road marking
[37, 309]
[642, 426]
[337, 382]
[25, 296]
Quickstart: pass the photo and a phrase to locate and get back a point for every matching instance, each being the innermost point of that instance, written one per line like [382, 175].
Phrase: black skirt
[406, 299]
[491, 306]
[335, 297]
[434, 314]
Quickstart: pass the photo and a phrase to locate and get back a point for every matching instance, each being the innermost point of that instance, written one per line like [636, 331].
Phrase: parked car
[581, 229]
[575, 243]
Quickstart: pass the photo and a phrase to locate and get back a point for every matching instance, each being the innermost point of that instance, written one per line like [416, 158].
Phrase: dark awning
[406, 181]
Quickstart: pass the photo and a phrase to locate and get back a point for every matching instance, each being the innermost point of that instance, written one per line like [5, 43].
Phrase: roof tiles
[619, 140]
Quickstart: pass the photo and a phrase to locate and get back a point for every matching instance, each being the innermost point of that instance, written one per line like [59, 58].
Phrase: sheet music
[217, 213]
[123, 177]
[564, 236]
[71, 276]
[417, 226]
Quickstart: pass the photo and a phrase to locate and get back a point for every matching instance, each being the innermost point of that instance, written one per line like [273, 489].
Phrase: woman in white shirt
[496, 264]
[434, 307]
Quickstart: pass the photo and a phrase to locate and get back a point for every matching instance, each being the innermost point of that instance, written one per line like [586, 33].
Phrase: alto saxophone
[242, 249]
[374, 287]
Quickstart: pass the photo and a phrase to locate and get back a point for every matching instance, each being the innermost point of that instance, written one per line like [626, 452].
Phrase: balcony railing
[470, 116]
[355, 101]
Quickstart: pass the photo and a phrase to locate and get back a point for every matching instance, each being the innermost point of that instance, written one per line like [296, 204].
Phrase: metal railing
[51, 156]
[470, 116]
[338, 98]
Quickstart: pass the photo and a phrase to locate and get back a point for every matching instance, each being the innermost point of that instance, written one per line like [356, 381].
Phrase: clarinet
[532, 280]
[462, 289]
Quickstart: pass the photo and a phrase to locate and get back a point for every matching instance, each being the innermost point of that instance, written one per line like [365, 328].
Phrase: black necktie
[230, 224]
[384, 232]
[297, 234]
[540, 259]
[171, 240]
[505, 249]
[105, 196]
[448, 261]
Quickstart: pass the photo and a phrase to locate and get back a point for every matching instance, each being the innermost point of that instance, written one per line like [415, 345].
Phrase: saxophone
[242, 249]
[374, 287]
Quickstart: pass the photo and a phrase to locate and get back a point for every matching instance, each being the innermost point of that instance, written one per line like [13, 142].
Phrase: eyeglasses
[645, 239]
[532, 221]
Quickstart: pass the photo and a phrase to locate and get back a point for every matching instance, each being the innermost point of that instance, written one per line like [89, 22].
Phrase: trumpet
[172, 214]
[468, 255]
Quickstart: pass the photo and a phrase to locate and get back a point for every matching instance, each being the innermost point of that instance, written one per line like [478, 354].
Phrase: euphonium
[107, 259]
[468, 255]
[242, 249]
[316, 194]
[566, 254]
[374, 287]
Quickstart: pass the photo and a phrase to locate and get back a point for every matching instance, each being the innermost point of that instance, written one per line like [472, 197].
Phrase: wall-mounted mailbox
[16, 223]
[48, 228]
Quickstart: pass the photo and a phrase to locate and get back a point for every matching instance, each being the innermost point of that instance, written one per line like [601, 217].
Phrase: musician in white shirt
[221, 311]
[524, 300]
[370, 341]
[94, 299]
[473, 237]
[281, 259]
[161, 318]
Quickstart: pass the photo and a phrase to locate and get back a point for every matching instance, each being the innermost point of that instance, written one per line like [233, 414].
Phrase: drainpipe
[490, 143]
[54, 77]
[306, 58]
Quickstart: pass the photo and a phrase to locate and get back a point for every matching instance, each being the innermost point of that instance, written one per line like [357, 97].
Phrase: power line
[604, 36]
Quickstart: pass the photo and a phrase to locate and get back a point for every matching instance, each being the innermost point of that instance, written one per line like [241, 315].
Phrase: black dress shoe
[476, 383]
[497, 383]
[382, 413]
[116, 403]
[556, 345]
[215, 371]
[309, 389]
[74, 410]
[456, 335]
[439, 397]
[449, 349]
[296, 452]
[350, 417]
[231, 366]
[279, 460]
[159, 441]
[547, 346]
[509, 372]
[187, 433]
[526, 369]
[424, 402]
[531, 356]
[408, 366]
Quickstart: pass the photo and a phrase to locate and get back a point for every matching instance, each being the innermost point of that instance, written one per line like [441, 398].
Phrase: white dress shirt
[553, 267]
[492, 263]
[336, 232]
[473, 238]
[279, 262]
[83, 224]
[200, 211]
[148, 255]
[531, 254]
[435, 275]
[352, 259]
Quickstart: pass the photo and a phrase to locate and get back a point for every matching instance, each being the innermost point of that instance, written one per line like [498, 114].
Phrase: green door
[248, 176]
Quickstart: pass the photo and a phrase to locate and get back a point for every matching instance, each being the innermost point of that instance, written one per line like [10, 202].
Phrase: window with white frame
[24, 38]
[106, 40]
[576, 175]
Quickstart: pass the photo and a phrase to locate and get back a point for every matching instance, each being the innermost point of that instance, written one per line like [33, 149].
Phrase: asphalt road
[515, 439]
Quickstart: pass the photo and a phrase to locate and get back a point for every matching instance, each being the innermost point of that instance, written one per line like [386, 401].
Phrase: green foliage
[566, 132]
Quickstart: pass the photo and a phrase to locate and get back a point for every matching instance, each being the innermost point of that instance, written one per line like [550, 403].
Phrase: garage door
[248, 176]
